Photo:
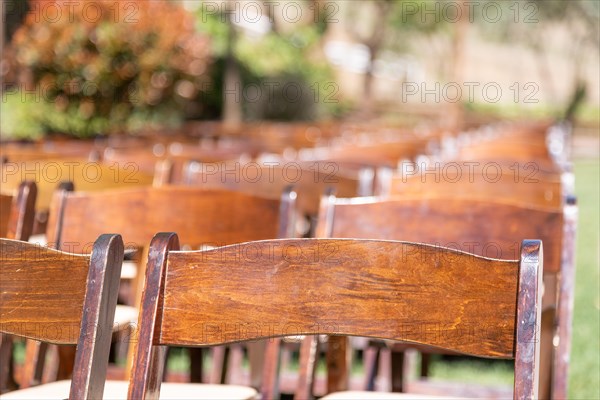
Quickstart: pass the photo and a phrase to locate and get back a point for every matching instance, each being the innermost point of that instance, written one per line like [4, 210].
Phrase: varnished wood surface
[485, 227]
[5, 207]
[379, 289]
[86, 175]
[271, 178]
[203, 217]
[483, 184]
[42, 292]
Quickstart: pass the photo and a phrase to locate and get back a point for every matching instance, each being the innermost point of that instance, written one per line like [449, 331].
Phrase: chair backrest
[203, 216]
[477, 180]
[271, 177]
[64, 298]
[382, 289]
[488, 228]
[17, 213]
[86, 175]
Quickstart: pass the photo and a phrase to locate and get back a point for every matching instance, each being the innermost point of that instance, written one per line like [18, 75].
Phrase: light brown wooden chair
[400, 291]
[204, 217]
[17, 214]
[478, 180]
[270, 178]
[62, 298]
[86, 175]
[489, 228]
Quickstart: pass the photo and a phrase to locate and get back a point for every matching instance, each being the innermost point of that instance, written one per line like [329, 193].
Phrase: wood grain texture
[42, 292]
[202, 217]
[493, 183]
[86, 175]
[271, 178]
[63, 298]
[380, 289]
[17, 214]
[5, 209]
[489, 228]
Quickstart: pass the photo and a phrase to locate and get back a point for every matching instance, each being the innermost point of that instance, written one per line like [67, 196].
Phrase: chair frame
[146, 376]
[99, 303]
[560, 272]
[19, 226]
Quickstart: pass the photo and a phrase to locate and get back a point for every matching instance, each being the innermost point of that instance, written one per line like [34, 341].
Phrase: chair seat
[117, 390]
[359, 395]
[124, 317]
[129, 270]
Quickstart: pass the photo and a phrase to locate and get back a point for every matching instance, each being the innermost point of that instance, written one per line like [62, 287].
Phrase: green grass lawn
[584, 376]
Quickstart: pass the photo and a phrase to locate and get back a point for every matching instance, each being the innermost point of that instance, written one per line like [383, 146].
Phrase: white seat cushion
[117, 390]
[125, 316]
[358, 395]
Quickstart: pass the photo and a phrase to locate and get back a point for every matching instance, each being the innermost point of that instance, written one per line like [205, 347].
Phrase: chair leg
[220, 355]
[371, 366]
[196, 364]
[546, 353]
[7, 377]
[33, 368]
[397, 371]
[338, 364]
[270, 387]
[425, 364]
[308, 367]
[256, 359]
[66, 362]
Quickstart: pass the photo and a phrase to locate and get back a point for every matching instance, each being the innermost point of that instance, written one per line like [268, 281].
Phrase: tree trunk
[232, 86]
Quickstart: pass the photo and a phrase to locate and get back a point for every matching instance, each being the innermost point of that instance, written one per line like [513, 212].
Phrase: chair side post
[566, 293]
[287, 214]
[147, 371]
[91, 361]
[528, 320]
[22, 216]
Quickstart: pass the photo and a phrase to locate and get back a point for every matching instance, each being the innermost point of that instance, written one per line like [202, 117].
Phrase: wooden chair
[62, 298]
[382, 289]
[87, 175]
[204, 217]
[480, 181]
[270, 178]
[484, 227]
[16, 222]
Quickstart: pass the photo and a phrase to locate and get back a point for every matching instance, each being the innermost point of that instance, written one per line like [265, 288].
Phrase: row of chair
[493, 203]
[270, 288]
[179, 198]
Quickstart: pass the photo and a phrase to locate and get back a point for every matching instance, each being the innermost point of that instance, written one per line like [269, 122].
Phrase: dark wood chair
[63, 298]
[382, 289]
[204, 217]
[17, 214]
[487, 228]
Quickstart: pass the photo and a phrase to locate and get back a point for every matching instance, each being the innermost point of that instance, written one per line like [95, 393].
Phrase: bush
[121, 67]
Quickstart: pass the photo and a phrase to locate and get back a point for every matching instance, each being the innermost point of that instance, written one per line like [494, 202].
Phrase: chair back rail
[64, 298]
[373, 288]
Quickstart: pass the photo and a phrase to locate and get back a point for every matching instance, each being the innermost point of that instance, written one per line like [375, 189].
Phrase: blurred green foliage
[270, 61]
[126, 67]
